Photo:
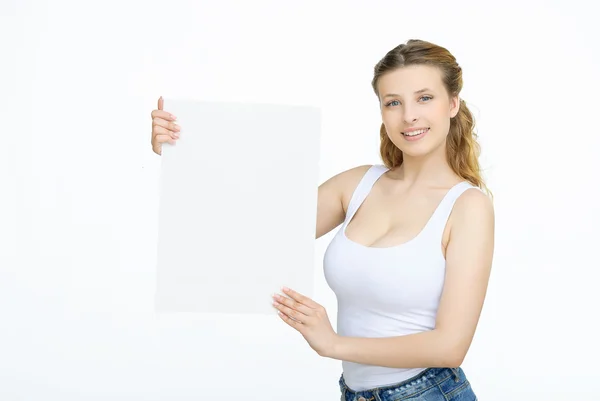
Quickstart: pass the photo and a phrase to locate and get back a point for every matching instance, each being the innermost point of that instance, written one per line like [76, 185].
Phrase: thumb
[160, 103]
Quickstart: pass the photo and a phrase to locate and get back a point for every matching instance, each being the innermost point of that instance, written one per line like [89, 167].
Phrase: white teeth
[414, 133]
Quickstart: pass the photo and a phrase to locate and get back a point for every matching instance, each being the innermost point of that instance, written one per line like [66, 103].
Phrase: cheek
[390, 120]
[387, 122]
[438, 113]
[439, 118]
[445, 112]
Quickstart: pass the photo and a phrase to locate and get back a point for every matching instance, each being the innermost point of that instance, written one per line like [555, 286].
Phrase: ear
[454, 106]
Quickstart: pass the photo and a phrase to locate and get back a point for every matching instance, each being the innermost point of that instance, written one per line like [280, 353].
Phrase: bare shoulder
[474, 207]
[347, 181]
[334, 196]
[475, 203]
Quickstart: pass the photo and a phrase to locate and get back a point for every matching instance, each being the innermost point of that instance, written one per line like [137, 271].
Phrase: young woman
[411, 261]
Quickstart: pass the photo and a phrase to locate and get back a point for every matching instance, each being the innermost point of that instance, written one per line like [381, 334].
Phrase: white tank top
[387, 292]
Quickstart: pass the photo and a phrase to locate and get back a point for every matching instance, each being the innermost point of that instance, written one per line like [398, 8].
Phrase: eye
[428, 97]
[391, 103]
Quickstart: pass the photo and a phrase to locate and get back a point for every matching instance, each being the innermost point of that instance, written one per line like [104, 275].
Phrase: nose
[410, 115]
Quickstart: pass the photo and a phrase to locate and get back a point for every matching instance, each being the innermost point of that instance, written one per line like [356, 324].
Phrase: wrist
[334, 348]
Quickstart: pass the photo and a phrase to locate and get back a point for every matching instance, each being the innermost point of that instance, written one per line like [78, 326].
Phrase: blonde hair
[462, 148]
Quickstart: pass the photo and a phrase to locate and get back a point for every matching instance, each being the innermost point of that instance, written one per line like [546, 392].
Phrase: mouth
[415, 135]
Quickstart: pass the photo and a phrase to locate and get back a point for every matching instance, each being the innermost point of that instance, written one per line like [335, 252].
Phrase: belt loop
[456, 374]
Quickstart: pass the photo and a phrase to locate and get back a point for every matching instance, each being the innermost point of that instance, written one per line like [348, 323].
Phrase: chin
[416, 152]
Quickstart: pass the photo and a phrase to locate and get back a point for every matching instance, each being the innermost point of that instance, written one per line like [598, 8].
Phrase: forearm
[421, 350]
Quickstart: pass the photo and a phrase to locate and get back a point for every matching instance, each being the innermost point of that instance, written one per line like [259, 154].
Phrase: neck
[431, 169]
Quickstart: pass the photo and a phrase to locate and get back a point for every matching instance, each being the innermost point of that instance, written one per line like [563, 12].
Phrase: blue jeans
[434, 384]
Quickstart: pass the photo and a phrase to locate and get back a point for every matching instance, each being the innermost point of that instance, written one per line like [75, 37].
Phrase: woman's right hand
[164, 128]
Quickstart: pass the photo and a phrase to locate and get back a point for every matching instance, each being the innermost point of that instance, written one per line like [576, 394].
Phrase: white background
[79, 200]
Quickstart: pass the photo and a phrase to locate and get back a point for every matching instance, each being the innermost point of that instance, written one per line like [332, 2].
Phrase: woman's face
[414, 97]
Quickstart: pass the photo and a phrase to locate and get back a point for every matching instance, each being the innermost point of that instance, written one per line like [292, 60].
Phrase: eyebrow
[417, 92]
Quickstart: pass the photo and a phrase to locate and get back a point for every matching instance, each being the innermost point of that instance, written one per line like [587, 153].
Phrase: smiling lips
[414, 134]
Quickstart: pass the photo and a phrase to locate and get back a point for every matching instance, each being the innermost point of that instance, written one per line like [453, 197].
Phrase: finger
[300, 298]
[164, 138]
[294, 314]
[291, 322]
[290, 303]
[162, 127]
[160, 103]
[159, 131]
[165, 115]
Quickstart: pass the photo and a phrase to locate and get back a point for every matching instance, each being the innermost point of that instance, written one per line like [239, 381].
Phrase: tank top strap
[363, 188]
[439, 219]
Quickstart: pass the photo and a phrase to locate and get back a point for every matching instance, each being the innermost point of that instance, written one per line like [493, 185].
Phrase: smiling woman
[411, 262]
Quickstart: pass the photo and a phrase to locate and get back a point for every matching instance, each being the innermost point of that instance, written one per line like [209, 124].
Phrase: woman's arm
[334, 195]
[468, 265]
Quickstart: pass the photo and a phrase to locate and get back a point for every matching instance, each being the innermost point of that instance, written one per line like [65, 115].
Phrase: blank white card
[238, 197]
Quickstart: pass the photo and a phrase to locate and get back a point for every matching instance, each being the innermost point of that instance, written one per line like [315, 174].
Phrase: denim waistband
[421, 382]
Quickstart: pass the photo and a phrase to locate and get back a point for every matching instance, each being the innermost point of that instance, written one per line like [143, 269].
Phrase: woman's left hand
[309, 318]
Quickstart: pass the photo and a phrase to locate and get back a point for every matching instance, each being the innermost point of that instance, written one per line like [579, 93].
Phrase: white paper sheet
[238, 196]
